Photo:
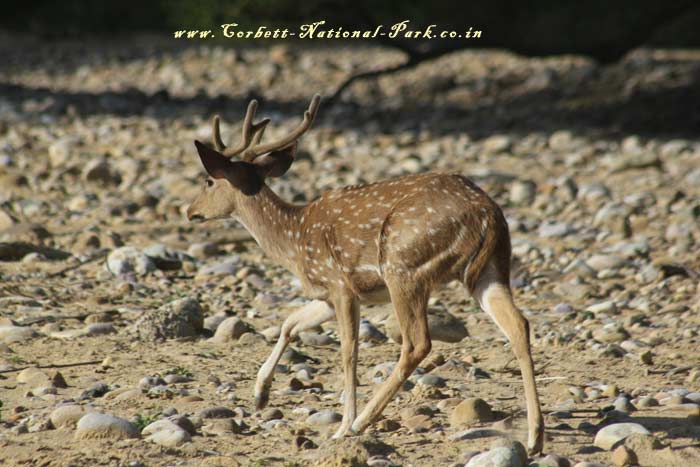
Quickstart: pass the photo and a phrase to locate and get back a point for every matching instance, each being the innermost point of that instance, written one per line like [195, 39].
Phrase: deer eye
[209, 182]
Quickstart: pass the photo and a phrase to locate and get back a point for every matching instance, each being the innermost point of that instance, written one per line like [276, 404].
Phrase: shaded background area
[603, 90]
[598, 28]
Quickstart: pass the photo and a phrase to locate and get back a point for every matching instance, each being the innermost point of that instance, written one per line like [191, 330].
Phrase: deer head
[228, 180]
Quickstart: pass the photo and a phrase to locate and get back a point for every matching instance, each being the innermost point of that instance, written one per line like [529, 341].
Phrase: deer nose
[193, 216]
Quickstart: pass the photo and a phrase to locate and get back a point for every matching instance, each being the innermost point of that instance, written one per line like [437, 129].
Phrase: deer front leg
[348, 314]
[410, 307]
[308, 316]
[496, 300]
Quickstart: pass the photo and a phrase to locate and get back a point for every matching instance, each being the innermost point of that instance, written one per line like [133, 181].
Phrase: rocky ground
[130, 337]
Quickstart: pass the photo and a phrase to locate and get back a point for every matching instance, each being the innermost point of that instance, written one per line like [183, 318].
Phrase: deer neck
[273, 223]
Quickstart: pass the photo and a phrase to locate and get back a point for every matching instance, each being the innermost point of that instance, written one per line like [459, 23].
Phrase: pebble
[223, 269]
[477, 433]
[166, 433]
[624, 405]
[271, 414]
[67, 416]
[607, 437]
[217, 412]
[553, 460]
[443, 327]
[646, 402]
[203, 250]
[504, 453]
[148, 382]
[12, 334]
[497, 143]
[554, 229]
[176, 319]
[104, 426]
[323, 418]
[369, 333]
[175, 379]
[213, 322]
[432, 380]
[601, 262]
[165, 258]
[129, 259]
[231, 329]
[98, 329]
[623, 456]
[471, 411]
[223, 426]
[522, 192]
[607, 306]
[315, 339]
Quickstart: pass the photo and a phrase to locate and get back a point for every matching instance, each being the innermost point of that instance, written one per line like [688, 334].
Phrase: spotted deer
[396, 240]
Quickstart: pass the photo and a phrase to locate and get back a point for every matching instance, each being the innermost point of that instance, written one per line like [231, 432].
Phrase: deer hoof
[261, 399]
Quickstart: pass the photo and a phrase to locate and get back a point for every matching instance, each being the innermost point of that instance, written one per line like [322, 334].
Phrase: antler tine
[259, 130]
[218, 143]
[249, 131]
[309, 115]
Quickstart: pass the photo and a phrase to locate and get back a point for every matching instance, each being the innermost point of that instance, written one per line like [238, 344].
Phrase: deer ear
[242, 175]
[276, 163]
[215, 163]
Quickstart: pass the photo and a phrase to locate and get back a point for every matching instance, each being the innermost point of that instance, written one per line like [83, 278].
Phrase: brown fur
[395, 240]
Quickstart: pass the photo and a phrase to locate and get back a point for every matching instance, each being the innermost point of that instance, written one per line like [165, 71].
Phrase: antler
[258, 149]
[251, 132]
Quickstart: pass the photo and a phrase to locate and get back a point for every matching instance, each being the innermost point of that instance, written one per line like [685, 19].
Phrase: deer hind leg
[496, 300]
[410, 305]
[308, 316]
[348, 314]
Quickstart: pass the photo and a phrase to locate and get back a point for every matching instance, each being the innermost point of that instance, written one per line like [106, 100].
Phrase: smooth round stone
[432, 380]
[554, 460]
[607, 306]
[315, 339]
[646, 402]
[324, 417]
[443, 327]
[623, 456]
[624, 405]
[104, 426]
[97, 329]
[226, 268]
[174, 379]
[203, 250]
[67, 416]
[522, 192]
[129, 259]
[369, 333]
[223, 426]
[150, 381]
[505, 453]
[32, 376]
[607, 437]
[231, 329]
[471, 411]
[601, 262]
[272, 333]
[271, 414]
[217, 412]
[213, 322]
[11, 334]
[563, 308]
[166, 433]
